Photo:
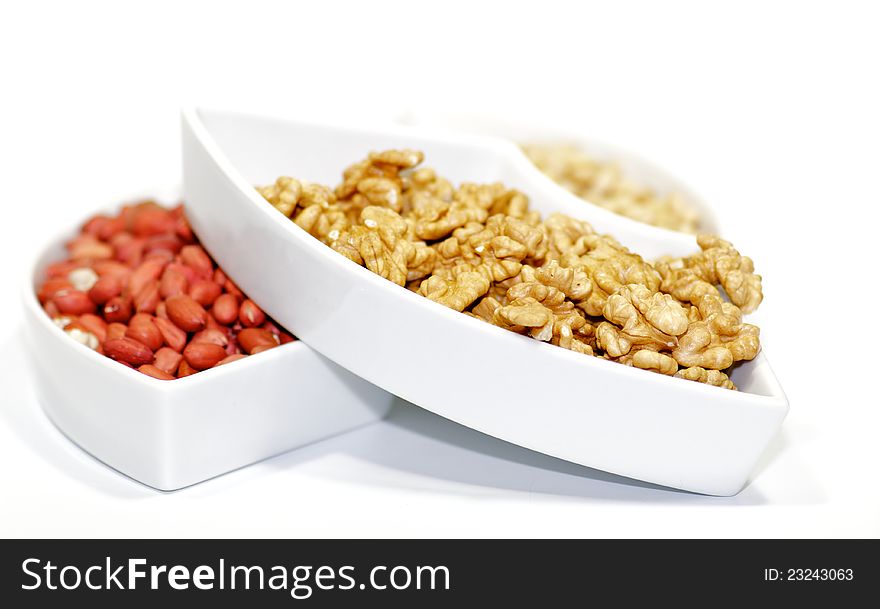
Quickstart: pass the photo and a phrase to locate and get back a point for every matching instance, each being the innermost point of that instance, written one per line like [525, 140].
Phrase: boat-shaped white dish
[172, 434]
[586, 410]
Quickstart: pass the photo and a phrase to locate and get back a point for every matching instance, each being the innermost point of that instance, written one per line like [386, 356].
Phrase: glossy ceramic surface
[582, 409]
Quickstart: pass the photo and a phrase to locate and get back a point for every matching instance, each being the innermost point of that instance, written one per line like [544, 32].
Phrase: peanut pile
[605, 185]
[478, 249]
[138, 288]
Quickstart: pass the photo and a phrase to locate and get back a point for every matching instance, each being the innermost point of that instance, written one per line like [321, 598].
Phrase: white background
[769, 109]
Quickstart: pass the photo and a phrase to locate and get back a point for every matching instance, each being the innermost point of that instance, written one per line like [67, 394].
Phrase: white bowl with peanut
[176, 432]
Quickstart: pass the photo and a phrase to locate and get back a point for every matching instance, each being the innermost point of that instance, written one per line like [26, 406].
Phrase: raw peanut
[147, 299]
[80, 334]
[167, 359]
[183, 270]
[186, 313]
[142, 329]
[83, 279]
[107, 287]
[67, 323]
[251, 338]
[117, 309]
[225, 309]
[261, 348]
[121, 239]
[130, 212]
[94, 224]
[127, 213]
[128, 351]
[211, 335]
[198, 260]
[80, 239]
[148, 270]
[203, 355]
[219, 276]
[95, 325]
[115, 330]
[51, 310]
[160, 310]
[230, 358]
[183, 230]
[52, 286]
[89, 248]
[62, 321]
[164, 255]
[212, 323]
[271, 327]
[233, 289]
[73, 302]
[155, 372]
[129, 249]
[280, 334]
[185, 369]
[176, 212]
[149, 221]
[110, 228]
[112, 268]
[204, 291]
[250, 314]
[170, 244]
[173, 282]
[174, 337]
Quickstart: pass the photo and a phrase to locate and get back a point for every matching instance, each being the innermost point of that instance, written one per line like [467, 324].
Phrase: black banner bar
[332, 573]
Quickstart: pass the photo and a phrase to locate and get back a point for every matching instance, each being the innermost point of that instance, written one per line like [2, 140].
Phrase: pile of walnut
[604, 184]
[480, 250]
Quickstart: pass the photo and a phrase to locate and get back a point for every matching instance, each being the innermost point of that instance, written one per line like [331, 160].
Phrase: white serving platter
[583, 409]
[172, 434]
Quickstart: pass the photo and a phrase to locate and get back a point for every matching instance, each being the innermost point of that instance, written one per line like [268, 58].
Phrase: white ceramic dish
[586, 410]
[634, 166]
[171, 434]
